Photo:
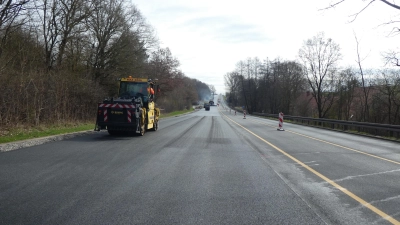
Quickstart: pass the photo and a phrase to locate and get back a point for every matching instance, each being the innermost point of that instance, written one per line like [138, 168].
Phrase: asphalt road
[207, 167]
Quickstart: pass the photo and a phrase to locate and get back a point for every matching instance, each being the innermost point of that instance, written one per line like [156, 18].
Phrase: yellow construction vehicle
[133, 111]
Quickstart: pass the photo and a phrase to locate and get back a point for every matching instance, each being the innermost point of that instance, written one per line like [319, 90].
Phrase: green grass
[21, 133]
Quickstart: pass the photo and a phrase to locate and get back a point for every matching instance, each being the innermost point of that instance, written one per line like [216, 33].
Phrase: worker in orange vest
[150, 90]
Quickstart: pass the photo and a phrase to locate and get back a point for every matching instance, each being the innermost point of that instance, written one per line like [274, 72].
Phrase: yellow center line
[342, 189]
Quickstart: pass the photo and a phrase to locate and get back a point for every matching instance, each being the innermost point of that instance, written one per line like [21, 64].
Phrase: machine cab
[136, 87]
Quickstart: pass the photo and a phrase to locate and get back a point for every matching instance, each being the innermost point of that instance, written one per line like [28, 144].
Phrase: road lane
[374, 179]
[196, 169]
[201, 168]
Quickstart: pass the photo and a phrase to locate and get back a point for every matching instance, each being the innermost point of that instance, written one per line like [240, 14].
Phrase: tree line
[58, 58]
[316, 86]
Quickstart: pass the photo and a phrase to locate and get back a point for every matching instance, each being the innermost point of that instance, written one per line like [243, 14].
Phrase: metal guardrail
[376, 129]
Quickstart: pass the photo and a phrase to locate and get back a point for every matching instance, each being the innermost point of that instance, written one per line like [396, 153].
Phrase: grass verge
[176, 113]
[24, 133]
[19, 133]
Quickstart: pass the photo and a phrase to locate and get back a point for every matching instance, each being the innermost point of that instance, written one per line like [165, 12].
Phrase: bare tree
[364, 7]
[365, 102]
[213, 90]
[116, 26]
[346, 85]
[106, 24]
[48, 13]
[291, 85]
[232, 81]
[253, 74]
[388, 96]
[52, 55]
[9, 12]
[164, 66]
[72, 15]
[273, 85]
[240, 67]
[319, 56]
[391, 57]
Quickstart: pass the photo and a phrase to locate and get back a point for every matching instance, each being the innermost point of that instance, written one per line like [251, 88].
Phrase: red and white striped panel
[105, 116]
[129, 116]
[117, 105]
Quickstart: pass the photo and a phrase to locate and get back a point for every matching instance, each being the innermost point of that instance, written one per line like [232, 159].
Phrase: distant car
[207, 106]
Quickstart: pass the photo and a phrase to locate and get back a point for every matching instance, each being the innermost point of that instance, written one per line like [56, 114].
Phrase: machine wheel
[155, 126]
[142, 128]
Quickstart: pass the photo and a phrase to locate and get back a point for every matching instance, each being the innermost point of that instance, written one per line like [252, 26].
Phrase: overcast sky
[209, 37]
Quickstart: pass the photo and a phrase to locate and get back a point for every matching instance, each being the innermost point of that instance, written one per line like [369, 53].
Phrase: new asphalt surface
[207, 167]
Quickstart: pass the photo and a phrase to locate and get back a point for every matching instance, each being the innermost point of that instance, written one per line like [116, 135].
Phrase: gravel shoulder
[38, 141]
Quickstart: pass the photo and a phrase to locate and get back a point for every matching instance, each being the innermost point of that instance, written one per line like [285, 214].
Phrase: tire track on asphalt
[184, 133]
